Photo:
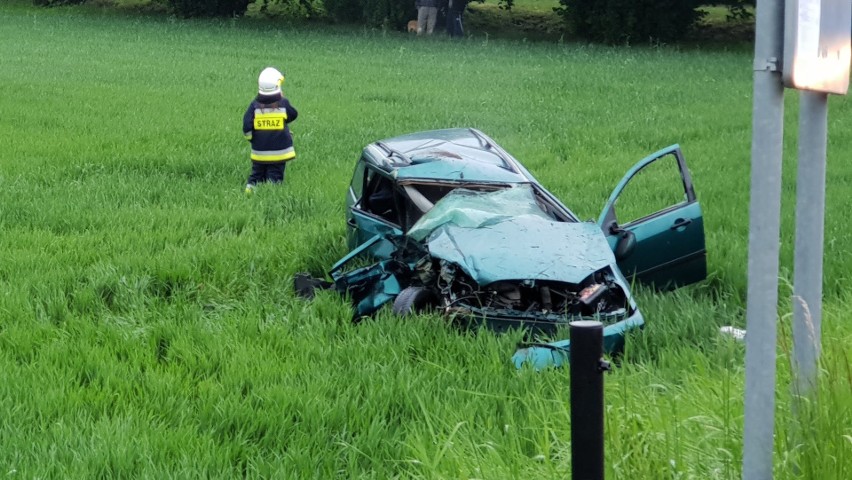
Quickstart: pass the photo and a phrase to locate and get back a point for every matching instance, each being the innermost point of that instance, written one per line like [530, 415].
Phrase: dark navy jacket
[267, 129]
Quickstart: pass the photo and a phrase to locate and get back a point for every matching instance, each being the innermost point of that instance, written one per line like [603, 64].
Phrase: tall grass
[148, 326]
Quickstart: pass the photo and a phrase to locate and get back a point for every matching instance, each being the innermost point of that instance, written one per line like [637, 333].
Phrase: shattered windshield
[473, 209]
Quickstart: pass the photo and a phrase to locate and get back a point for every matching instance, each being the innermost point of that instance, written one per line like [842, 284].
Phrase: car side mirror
[626, 244]
[614, 229]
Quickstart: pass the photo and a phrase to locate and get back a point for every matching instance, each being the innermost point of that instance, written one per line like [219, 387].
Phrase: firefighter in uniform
[265, 125]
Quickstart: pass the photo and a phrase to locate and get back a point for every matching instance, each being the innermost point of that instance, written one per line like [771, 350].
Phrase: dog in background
[412, 26]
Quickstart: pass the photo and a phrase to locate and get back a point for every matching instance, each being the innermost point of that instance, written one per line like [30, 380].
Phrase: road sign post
[807, 266]
[816, 56]
[763, 246]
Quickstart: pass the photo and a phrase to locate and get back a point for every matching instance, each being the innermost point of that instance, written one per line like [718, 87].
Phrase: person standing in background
[427, 15]
[455, 9]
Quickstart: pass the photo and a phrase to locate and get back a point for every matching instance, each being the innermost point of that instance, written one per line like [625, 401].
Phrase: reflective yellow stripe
[278, 156]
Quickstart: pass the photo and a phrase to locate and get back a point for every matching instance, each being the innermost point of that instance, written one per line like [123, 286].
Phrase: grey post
[810, 214]
[763, 244]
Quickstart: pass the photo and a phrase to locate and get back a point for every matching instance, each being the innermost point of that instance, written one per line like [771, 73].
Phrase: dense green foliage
[631, 21]
[290, 9]
[388, 13]
[209, 8]
[738, 9]
[54, 3]
[148, 327]
[530, 19]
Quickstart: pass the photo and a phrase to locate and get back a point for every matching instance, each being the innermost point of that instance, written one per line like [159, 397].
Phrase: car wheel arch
[414, 299]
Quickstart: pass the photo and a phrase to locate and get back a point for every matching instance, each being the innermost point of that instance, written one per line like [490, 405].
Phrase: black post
[587, 408]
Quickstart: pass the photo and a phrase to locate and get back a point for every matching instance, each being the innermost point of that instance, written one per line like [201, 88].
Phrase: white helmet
[269, 82]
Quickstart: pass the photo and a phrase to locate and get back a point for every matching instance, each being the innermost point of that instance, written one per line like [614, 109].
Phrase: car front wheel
[414, 300]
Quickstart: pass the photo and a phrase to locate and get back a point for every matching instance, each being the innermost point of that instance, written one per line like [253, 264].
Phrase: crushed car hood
[523, 248]
[505, 235]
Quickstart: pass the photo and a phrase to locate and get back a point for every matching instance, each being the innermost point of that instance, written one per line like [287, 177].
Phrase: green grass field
[148, 327]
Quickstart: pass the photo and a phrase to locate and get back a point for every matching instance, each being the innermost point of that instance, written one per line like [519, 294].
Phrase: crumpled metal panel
[370, 287]
[504, 235]
[556, 354]
[456, 154]
[527, 248]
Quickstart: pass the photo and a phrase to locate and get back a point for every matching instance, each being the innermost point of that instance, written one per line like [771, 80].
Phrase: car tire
[414, 300]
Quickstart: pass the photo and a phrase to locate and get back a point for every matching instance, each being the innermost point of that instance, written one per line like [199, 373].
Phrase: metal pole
[587, 409]
[810, 214]
[763, 245]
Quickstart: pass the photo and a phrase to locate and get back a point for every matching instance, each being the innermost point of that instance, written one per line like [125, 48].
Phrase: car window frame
[371, 172]
[689, 194]
[608, 220]
[359, 178]
[557, 209]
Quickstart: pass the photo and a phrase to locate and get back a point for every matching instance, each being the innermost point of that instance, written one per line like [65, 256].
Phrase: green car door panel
[669, 248]
[664, 246]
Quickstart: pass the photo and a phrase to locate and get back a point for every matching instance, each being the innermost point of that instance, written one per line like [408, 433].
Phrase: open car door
[657, 229]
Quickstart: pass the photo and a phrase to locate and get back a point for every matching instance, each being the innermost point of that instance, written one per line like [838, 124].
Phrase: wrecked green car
[448, 221]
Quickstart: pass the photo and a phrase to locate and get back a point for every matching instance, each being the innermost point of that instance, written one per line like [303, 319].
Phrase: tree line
[605, 21]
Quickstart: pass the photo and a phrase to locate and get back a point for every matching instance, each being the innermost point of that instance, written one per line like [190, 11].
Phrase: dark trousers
[266, 172]
[454, 23]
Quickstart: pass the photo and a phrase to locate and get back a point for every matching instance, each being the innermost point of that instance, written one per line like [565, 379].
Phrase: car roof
[457, 154]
